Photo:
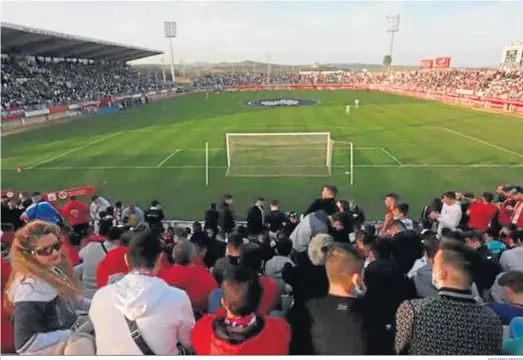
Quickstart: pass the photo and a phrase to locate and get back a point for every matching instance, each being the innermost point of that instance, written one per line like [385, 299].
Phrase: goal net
[279, 154]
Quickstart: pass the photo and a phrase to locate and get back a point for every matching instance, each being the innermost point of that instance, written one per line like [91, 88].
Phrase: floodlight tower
[170, 33]
[393, 26]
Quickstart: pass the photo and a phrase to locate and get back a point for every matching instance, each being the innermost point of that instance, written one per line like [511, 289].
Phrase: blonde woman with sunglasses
[45, 297]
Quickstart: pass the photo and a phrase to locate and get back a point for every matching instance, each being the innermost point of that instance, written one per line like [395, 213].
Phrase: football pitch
[413, 147]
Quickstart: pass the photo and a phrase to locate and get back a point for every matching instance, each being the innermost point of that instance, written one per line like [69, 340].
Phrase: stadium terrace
[302, 213]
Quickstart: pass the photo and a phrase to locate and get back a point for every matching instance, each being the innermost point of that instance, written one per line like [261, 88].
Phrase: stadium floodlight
[170, 33]
[393, 26]
[279, 154]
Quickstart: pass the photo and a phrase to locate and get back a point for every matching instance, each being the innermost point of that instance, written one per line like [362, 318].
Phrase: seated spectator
[154, 215]
[241, 331]
[214, 249]
[333, 324]
[453, 311]
[232, 257]
[514, 345]
[191, 276]
[485, 274]
[308, 278]
[512, 284]
[161, 314]
[41, 210]
[512, 259]
[274, 267]
[93, 253]
[133, 216]
[407, 248]
[42, 285]
[312, 224]
[12, 214]
[8, 234]
[481, 212]
[496, 247]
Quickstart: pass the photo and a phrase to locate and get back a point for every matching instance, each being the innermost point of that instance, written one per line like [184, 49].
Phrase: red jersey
[75, 212]
[273, 339]
[481, 214]
[517, 215]
[7, 338]
[114, 263]
[71, 251]
[7, 238]
[389, 218]
[196, 280]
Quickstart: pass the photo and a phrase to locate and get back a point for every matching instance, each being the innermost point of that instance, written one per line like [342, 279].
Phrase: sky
[473, 33]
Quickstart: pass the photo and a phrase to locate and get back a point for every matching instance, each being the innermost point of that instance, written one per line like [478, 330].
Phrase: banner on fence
[12, 114]
[36, 112]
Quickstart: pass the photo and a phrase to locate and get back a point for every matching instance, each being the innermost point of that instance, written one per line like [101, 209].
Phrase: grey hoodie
[309, 226]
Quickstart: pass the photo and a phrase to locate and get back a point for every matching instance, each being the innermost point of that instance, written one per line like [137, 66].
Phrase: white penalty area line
[476, 139]
[392, 156]
[406, 166]
[168, 157]
[73, 150]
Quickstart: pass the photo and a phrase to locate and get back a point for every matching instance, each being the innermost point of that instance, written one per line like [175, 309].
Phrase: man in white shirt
[97, 205]
[450, 215]
[162, 314]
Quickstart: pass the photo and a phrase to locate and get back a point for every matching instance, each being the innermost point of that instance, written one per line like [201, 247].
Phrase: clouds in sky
[293, 32]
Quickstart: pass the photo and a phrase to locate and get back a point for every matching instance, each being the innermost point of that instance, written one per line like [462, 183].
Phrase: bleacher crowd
[490, 83]
[35, 84]
[108, 278]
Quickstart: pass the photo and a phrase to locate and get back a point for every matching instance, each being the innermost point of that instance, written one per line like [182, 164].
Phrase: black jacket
[329, 205]
[275, 220]
[255, 221]
[225, 217]
[211, 219]
[154, 215]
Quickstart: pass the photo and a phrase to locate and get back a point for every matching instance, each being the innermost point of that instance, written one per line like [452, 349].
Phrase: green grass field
[413, 147]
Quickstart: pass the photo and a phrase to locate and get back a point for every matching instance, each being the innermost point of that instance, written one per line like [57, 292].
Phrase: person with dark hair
[154, 215]
[429, 326]
[214, 249]
[274, 267]
[484, 275]
[211, 220]
[256, 217]
[495, 246]
[401, 212]
[190, 275]
[333, 324]
[117, 212]
[326, 202]
[91, 256]
[141, 309]
[450, 214]
[232, 256]
[275, 219]
[395, 227]
[240, 330]
[226, 220]
[390, 200]
[482, 212]
[315, 223]
[512, 284]
[11, 214]
[41, 210]
[77, 215]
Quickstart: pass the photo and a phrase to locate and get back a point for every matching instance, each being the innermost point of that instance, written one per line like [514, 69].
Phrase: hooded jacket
[310, 226]
[162, 313]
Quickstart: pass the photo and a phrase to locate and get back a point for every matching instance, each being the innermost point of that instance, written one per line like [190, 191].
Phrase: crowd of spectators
[107, 278]
[491, 83]
[34, 84]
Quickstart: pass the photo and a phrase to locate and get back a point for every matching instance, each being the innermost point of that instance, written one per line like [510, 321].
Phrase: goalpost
[279, 154]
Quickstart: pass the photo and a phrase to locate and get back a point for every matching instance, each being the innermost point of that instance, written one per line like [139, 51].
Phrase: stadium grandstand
[318, 212]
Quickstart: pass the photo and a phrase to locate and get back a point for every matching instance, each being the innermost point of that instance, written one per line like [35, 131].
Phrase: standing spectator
[191, 276]
[133, 216]
[422, 276]
[117, 212]
[13, 215]
[231, 259]
[41, 210]
[25, 201]
[390, 202]
[485, 274]
[225, 215]
[98, 204]
[91, 256]
[141, 302]
[77, 215]
[240, 331]
[275, 219]
[211, 220]
[256, 217]
[401, 212]
[215, 249]
[333, 324]
[496, 247]
[481, 212]
[154, 215]
[429, 326]
[326, 202]
[42, 285]
[8, 234]
[512, 284]
[450, 215]
[114, 264]
[517, 214]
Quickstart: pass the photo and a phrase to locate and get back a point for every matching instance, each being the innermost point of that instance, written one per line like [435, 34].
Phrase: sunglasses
[47, 250]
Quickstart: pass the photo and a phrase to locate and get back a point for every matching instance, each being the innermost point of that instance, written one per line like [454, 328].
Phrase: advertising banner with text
[442, 62]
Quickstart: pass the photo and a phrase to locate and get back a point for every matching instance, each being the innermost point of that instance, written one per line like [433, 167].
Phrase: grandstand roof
[23, 40]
